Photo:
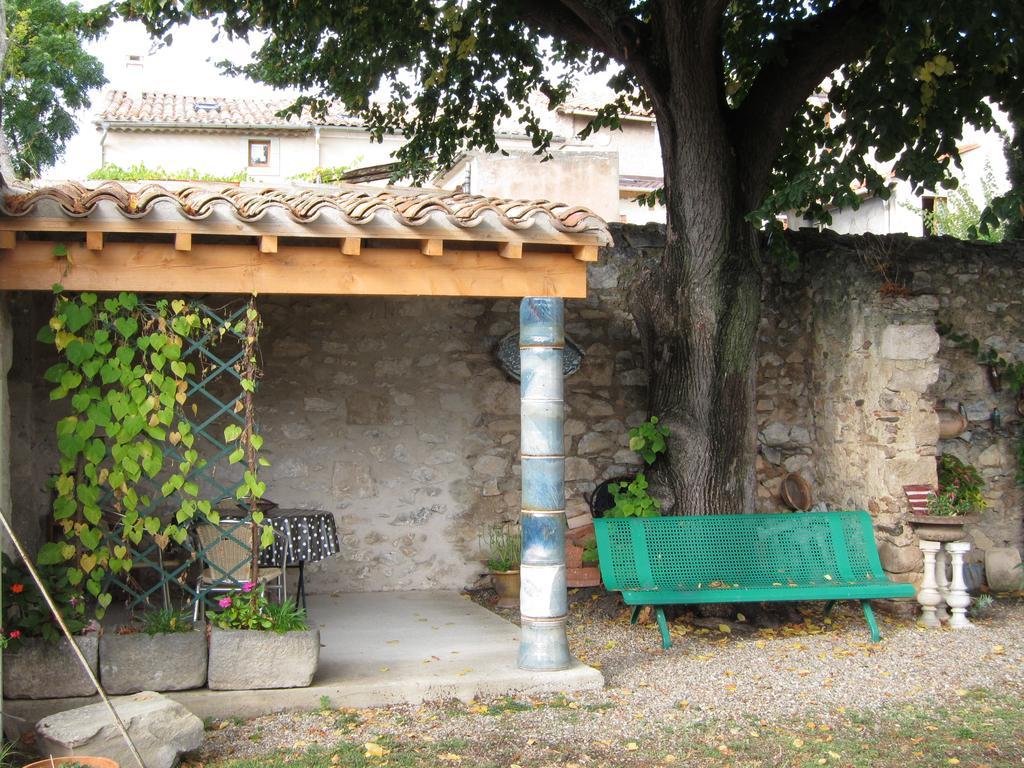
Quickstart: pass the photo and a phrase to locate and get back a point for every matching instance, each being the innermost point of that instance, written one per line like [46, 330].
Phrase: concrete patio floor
[380, 648]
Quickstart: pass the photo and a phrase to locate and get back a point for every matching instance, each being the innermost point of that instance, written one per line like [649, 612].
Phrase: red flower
[17, 588]
[15, 634]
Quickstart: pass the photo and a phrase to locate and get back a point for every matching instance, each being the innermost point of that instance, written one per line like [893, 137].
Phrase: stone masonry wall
[393, 414]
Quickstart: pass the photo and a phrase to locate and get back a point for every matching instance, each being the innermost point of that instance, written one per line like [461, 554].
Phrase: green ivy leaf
[232, 432]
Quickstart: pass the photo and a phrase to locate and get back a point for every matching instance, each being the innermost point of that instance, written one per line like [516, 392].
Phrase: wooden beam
[94, 241]
[268, 244]
[432, 247]
[183, 241]
[7, 240]
[351, 246]
[510, 250]
[584, 252]
[242, 269]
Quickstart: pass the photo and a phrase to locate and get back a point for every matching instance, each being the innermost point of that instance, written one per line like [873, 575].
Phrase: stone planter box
[41, 670]
[248, 659]
[175, 661]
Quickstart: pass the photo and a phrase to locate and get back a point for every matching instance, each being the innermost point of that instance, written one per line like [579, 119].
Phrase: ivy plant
[123, 374]
[632, 499]
[648, 439]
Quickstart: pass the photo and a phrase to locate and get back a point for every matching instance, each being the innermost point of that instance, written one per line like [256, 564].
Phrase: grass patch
[978, 728]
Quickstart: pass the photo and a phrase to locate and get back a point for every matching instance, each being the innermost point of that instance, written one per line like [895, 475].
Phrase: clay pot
[506, 584]
[89, 762]
[951, 423]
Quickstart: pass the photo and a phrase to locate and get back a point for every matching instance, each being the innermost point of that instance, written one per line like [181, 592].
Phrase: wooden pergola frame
[166, 251]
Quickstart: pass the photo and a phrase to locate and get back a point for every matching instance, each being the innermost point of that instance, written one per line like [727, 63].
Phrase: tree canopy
[901, 78]
[47, 76]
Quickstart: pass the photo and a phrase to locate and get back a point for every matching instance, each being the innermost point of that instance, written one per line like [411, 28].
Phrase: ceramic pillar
[958, 598]
[941, 583]
[928, 596]
[543, 597]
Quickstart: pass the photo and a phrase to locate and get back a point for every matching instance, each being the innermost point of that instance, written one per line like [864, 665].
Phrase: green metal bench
[660, 561]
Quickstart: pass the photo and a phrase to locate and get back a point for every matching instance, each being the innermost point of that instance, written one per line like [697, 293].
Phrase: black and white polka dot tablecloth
[310, 535]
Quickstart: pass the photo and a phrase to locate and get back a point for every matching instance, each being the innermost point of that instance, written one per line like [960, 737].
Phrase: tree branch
[812, 51]
[6, 160]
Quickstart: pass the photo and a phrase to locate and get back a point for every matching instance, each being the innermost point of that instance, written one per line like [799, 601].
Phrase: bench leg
[636, 613]
[870, 616]
[666, 638]
[828, 607]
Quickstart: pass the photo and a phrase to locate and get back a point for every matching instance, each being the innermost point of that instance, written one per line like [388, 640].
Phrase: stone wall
[393, 414]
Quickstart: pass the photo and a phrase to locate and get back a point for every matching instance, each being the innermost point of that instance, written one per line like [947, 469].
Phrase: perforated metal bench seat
[660, 561]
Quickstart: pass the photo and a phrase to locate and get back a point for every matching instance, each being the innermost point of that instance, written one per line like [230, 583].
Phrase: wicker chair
[225, 550]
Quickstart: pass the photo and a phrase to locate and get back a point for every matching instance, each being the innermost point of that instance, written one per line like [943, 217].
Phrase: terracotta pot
[951, 423]
[90, 762]
[506, 584]
[573, 555]
[935, 528]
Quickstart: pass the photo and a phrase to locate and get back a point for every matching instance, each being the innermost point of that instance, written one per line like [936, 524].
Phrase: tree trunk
[697, 313]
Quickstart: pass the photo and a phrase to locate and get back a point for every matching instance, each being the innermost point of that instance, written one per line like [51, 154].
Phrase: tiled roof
[641, 183]
[147, 109]
[351, 204]
[588, 102]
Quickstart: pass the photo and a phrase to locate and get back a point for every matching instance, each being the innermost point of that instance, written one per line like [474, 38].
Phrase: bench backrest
[737, 551]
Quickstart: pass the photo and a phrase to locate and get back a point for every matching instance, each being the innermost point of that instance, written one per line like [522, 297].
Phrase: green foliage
[47, 76]
[959, 215]
[249, 608]
[648, 439]
[960, 489]
[25, 612]
[114, 172]
[504, 547]
[122, 374]
[590, 551]
[165, 621]
[327, 174]
[1011, 373]
[632, 500]
[451, 73]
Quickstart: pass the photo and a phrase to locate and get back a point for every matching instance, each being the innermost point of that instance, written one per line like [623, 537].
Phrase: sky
[185, 66]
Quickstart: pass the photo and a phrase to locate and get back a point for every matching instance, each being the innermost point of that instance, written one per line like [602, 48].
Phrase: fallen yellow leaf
[724, 628]
[953, 761]
[375, 750]
[998, 650]
[450, 757]
[669, 759]
[632, 746]
[798, 743]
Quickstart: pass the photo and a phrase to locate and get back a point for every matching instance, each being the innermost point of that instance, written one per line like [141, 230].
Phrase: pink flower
[224, 602]
[15, 634]
[248, 586]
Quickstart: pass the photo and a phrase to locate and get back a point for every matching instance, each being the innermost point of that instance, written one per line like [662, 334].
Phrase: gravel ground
[819, 670]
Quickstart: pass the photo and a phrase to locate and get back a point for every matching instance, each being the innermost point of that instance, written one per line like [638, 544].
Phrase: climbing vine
[1012, 373]
[123, 374]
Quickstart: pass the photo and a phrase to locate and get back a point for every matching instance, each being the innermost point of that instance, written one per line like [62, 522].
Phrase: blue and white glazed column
[543, 598]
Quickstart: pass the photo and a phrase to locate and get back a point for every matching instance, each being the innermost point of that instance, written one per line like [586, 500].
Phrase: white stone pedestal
[937, 590]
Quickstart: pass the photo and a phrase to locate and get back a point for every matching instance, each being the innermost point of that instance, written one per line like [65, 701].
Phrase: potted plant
[504, 550]
[164, 652]
[960, 494]
[258, 644]
[38, 661]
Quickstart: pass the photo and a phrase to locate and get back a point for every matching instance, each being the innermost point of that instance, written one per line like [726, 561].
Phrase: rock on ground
[162, 730]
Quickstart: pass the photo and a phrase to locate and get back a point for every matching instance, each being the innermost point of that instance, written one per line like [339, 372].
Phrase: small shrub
[165, 621]
[249, 608]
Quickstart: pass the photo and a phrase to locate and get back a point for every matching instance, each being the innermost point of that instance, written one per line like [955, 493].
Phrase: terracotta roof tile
[147, 108]
[351, 203]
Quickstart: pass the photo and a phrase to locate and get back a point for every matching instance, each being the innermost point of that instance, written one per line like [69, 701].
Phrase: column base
[543, 645]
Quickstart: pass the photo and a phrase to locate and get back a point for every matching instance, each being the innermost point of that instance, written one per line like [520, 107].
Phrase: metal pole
[543, 598]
